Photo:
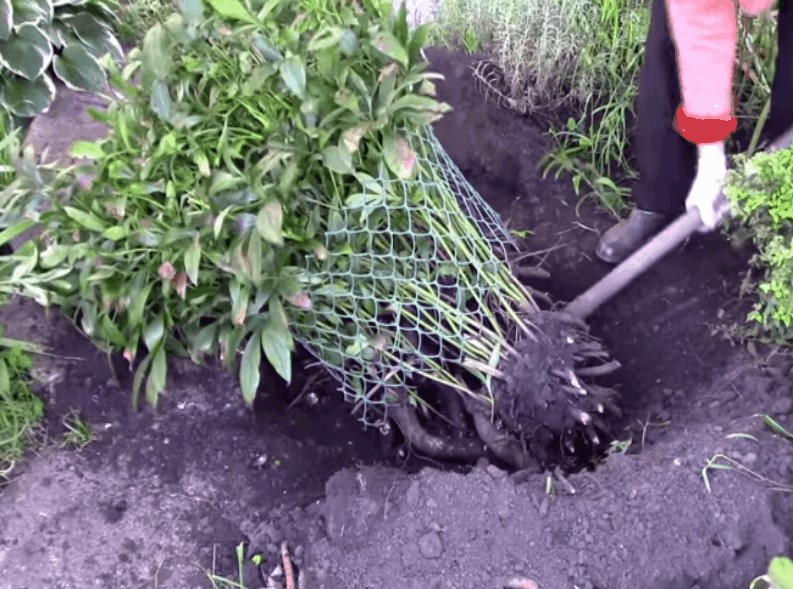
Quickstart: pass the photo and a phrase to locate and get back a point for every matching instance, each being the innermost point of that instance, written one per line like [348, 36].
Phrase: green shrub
[760, 189]
[44, 40]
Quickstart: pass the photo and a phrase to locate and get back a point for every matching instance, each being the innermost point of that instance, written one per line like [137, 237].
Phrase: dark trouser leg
[666, 162]
[780, 119]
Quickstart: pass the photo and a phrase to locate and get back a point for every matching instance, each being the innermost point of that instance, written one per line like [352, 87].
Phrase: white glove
[706, 194]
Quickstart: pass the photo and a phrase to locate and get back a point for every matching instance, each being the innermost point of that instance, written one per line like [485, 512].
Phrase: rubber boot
[627, 236]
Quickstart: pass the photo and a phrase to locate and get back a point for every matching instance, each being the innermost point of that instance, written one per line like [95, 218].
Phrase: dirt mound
[643, 520]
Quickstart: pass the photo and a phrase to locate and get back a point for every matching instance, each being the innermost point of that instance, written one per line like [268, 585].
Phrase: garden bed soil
[155, 496]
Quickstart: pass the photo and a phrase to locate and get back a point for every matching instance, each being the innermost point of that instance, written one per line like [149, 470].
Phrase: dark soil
[146, 502]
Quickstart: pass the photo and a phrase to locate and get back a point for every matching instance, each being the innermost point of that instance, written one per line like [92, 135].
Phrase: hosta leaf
[233, 9]
[27, 52]
[277, 345]
[95, 37]
[79, 70]
[249, 369]
[32, 12]
[294, 75]
[25, 98]
[6, 19]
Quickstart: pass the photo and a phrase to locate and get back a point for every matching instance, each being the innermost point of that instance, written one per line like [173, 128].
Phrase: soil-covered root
[544, 394]
[545, 386]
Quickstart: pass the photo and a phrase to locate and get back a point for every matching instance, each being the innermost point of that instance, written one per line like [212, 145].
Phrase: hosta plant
[45, 41]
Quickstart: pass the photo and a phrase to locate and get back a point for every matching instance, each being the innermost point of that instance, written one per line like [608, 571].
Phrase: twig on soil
[289, 572]
[732, 464]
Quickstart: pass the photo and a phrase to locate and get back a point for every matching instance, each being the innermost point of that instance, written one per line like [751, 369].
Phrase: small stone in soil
[430, 545]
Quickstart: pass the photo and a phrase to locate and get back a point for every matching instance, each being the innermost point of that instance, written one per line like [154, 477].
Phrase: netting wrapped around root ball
[426, 295]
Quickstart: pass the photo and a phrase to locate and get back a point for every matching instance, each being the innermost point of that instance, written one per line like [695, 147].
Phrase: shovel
[644, 258]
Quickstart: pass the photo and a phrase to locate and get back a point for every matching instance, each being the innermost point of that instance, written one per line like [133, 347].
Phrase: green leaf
[337, 160]
[222, 181]
[266, 50]
[269, 222]
[97, 38]
[137, 381]
[192, 261]
[79, 70]
[780, 572]
[233, 9]
[87, 220]
[249, 369]
[86, 150]
[32, 12]
[155, 384]
[294, 75]
[153, 333]
[27, 52]
[399, 156]
[389, 45]
[160, 100]
[193, 10]
[115, 233]
[156, 56]
[6, 19]
[418, 40]
[277, 345]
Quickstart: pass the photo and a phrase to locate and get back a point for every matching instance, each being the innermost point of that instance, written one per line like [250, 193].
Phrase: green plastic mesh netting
[427, 293]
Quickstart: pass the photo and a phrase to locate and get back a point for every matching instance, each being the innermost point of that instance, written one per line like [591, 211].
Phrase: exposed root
[507, 448]
[408, 422]
[542, 389]
[454, 411]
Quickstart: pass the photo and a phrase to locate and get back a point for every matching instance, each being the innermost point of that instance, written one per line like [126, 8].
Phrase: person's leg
[666, 162]
[780, 118]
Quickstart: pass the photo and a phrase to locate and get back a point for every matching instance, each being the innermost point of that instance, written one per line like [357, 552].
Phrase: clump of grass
[20, 409]
[138, 16]
[79, 432]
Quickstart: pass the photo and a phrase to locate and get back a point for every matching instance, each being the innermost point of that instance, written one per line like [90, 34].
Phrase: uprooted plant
[274, 181]
[760, 189]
